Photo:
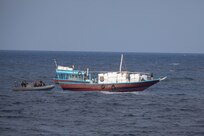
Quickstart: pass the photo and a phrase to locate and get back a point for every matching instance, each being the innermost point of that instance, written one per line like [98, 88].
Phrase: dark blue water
[174, 107]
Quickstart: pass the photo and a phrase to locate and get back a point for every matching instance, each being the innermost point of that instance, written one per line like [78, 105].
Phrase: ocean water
[173, 107]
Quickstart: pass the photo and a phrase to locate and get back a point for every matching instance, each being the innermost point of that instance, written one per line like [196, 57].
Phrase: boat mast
[121, 62]
[55, 62]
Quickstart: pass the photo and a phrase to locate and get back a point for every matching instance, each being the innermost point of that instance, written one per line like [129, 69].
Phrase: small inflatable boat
[33, 88]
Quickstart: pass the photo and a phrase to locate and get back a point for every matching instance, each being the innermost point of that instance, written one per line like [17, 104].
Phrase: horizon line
[105, 51]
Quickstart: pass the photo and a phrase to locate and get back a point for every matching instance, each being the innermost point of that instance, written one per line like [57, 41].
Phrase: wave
[12, 116]
[107, 92]
[174, 64]
[5, 96]
[179, 79]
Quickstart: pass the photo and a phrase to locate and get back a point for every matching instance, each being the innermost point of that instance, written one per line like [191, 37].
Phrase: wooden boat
[113, 87]
[32, 88]
[119, 81]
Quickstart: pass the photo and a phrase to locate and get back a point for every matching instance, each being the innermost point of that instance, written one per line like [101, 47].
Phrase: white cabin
[63, 68]
[122, 77]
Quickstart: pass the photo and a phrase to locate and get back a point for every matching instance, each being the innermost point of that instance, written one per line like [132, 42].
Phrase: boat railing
[142, 73]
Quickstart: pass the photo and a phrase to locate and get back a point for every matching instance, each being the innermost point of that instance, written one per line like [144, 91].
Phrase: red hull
[118, 87]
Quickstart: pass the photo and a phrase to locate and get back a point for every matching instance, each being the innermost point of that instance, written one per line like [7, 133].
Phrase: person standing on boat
[24, 83]
[42, 83]
[36, 84]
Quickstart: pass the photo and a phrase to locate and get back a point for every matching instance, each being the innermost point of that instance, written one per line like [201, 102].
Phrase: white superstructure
[123, 76]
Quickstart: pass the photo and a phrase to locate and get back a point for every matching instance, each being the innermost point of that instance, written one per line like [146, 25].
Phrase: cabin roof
[70, 72]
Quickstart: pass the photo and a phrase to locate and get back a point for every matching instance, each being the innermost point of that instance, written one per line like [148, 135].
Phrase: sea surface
[173, 107]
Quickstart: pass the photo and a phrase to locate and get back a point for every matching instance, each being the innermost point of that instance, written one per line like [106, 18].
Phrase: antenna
[121, 62]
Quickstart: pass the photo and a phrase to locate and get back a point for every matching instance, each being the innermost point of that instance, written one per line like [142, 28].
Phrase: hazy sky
[103, 25]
